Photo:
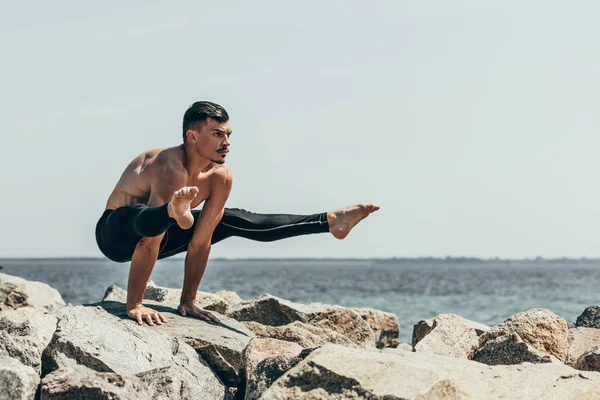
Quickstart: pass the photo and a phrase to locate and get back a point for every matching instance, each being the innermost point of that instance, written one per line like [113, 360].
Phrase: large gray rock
[450, 335]
[590, 318]
[16, 292]
[538, 327]
[169, 297]
[220, 344]
[306, 335]
[423, 327]
[277, 354]
[336, 372]
[274, 311]
[581, 340]
[230, 297]
[346, 322]
[25, 333]
[81, 383]
[17, 381]
[590, 360]
[92, 337]
[509, 350]
[385, 326]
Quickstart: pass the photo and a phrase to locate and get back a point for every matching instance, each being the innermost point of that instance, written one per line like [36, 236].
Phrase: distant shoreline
[388, 260]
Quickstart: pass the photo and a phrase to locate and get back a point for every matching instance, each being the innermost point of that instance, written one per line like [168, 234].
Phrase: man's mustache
[222, 148]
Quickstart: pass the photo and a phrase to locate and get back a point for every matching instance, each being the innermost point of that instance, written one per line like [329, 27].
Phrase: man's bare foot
[179, 207]
[343, 220]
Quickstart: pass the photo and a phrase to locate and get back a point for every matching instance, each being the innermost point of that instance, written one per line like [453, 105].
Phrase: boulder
[508, 350]
[17, 381]
[581, 340]
[402, 347]
[25, 333]
[274, 358]
[273, 311]
[590, 318]
[220, 344]
[169, 297]
[93, 338]
[346, 322]
[337, 372]
[306, 335]
[590, 360]
[450, 335]
[230, 297]
[385, 326]
[81, 383]
[537, 327]
[423, 327]
[16, 292]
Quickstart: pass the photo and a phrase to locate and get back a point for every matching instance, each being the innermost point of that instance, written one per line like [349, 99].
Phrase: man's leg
[268, 227]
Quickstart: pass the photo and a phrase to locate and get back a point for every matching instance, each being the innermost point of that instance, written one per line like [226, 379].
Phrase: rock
[336, 372]
[385, 326]
[273, 311]
[25, 333]
[508, 350]
[81, 383]
[17, 381]
[450, 335]
[230, 297]
[346, 322]
[279, 355]
[402, 347]
[423, 327]
[220, 344]
[538, 327]
[590, 360]
[590, 318]
[92, 337]
[306, 335]
[17, 292]
[169, 297]
[580, 341]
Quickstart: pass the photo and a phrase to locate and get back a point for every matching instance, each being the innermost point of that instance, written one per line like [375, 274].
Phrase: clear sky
[474, 124]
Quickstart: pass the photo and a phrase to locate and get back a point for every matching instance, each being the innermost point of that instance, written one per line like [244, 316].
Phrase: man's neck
[194, 163]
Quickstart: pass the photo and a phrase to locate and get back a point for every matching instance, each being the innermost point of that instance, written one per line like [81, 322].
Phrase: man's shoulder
[222, 175]
[170, 158]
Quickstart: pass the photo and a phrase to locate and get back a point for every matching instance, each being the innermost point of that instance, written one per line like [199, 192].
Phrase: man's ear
[191, 135]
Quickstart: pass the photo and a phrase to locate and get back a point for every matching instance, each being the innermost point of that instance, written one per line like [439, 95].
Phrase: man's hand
[141, 313]
[191, 309]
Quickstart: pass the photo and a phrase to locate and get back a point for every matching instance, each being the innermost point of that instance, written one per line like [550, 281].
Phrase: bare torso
[136, 182]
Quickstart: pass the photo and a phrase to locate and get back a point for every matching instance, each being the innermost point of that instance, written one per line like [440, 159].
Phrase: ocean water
[487, 292]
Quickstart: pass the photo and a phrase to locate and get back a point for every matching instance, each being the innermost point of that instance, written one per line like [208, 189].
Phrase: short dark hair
[199, 112]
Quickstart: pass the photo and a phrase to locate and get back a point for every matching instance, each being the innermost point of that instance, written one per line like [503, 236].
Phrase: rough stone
[273, 311]
[385, 326]
[16, 292]
[306, 335]
[279, 355]
[423, 327]
[346, 322]
[450, 335]
[92, 337]
[590, 318]
[538, 327]
[24, 334]
[336, 372]
[508, 350]
[581, 340]
[17, 381]
[230, 297]
[81, 383]
[590, 360]
[220, 344]
[171, 297]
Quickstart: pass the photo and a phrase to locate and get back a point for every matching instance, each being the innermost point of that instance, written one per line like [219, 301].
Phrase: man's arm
[199, 246]
[164, 183]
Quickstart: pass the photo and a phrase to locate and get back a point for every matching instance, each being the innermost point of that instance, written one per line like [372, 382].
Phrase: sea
[486, 291]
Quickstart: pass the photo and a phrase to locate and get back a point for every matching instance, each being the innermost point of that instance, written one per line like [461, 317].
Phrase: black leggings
[118, 231]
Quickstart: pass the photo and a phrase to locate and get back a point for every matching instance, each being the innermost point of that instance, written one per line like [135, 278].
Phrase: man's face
[211, 140]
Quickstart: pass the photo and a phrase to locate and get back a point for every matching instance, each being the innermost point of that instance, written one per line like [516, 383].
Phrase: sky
[474, 124]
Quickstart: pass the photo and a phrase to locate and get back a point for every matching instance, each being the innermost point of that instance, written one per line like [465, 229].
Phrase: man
[149, 214]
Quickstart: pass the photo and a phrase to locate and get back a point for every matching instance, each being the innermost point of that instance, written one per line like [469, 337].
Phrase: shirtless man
[149, 214]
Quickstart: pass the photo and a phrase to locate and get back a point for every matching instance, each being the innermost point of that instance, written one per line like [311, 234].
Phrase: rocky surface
[17, 381]
[540, 328]
[336, 372]
[271, 348]
[590, 318]
[17, 292]
[446, 335]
